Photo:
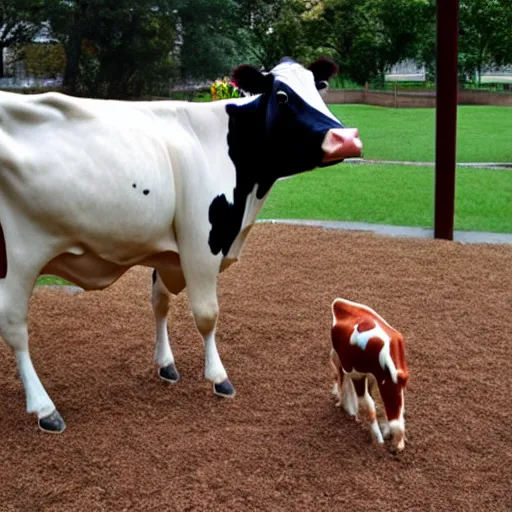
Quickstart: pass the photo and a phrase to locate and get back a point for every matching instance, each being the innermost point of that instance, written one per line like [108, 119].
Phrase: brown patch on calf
[397, 351]
[366, 324]
[391, 395]
[353, 358]
[3, 254]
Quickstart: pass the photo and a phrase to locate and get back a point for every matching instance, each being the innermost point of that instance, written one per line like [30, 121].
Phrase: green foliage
[211, 39]
[485, 27]
[129, 48]
[367, 36]
[19, 21]
[116, 49]
[272, 29]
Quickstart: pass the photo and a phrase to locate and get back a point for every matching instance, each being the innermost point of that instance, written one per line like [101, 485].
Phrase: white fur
[37, 398]
[302, 82]
[214, 369]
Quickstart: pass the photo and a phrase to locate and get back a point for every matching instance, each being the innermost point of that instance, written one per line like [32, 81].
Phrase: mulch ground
[134, 442]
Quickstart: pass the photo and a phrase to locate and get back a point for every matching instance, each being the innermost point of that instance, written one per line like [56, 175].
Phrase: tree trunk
[73, 50]
[1, 61]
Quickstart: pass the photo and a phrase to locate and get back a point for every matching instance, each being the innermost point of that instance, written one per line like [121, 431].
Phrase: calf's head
[300, 132]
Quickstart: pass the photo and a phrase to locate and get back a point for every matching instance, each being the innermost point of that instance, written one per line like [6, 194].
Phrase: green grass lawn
[393, 194]
[484, 134]
[51, 280]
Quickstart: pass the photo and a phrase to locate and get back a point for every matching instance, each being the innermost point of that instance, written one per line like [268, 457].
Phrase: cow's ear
[250, 79]
[323, 69]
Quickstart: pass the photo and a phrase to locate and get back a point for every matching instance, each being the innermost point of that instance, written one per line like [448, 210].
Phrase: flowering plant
[224, 89]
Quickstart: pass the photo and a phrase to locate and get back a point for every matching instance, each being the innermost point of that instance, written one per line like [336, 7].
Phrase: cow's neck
[231, 220]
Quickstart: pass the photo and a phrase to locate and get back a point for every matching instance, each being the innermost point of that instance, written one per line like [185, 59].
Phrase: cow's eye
[282, 97]
[322, 84]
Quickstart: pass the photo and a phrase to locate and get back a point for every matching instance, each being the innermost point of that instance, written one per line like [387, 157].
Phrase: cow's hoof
[169, 373]
[53, 423]
[224, 389]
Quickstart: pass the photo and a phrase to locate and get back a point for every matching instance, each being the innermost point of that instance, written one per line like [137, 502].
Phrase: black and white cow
[89, 188]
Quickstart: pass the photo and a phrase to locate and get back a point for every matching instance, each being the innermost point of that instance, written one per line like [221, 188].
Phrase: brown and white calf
[367, 350]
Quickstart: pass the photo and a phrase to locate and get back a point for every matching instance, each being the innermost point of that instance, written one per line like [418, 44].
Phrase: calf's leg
[393, 397]
[367, 403]
[337, 375]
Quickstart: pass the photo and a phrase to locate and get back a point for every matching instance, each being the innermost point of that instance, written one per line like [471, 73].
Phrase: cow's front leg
[163, 356]
[201, 279]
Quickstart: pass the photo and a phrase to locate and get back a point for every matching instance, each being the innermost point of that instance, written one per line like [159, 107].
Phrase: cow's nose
[341, 143]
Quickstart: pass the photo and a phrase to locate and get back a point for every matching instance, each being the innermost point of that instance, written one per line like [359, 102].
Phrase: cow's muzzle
[341, 143]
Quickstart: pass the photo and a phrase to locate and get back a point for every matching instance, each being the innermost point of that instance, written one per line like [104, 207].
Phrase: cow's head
[300, 130]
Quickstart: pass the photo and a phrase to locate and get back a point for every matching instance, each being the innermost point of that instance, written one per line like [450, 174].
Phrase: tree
[367, 36]
[131, 44]
[115, 48]
[210, 38]
[68, 21]
[19, 22]
[484, 35]
[272, 29]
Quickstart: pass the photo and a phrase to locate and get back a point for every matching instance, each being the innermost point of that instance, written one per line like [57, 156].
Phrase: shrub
[224, 89]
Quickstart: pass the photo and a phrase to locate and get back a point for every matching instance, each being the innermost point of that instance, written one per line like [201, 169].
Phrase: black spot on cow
[268, 139]
[134, 185]
[145, 192]
[3, 255]
[154, 276]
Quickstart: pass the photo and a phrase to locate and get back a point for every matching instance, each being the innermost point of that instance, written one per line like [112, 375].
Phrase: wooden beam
[446, 116]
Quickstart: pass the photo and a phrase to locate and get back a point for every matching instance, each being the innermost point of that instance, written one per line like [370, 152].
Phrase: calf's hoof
[53, 423]
[224, 389]
[169, 373]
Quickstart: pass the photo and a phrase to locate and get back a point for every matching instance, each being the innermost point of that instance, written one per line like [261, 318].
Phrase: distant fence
[427, 98]
[390, 98]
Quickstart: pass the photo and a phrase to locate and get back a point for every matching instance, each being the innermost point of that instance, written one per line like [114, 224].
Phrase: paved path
[506, 166]
[474, 237]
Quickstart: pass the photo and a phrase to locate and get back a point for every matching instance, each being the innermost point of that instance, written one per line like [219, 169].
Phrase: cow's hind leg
[15, 291]
[163, 356]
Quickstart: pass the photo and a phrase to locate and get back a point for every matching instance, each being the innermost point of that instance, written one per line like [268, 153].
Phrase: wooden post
[446, 116]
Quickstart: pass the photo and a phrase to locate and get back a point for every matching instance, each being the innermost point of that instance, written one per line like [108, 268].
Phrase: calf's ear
[250, 79]
[323, 69]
